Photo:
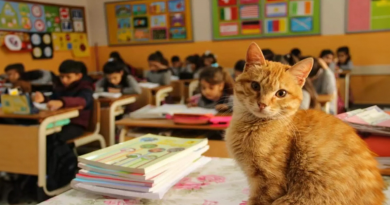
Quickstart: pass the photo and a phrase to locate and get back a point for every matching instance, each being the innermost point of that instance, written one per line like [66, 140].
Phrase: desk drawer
[19, 149]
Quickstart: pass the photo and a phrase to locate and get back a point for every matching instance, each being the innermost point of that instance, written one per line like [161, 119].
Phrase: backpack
[61, 163]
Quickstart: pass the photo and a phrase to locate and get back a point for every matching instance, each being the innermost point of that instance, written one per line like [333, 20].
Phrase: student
[193, 65]
[72, 91]
[176, 65]
[324, 81]
[16, 72]
[209, 59]
[294, 56]
[328, 57]
[238, 68]
[216, 88]
[344, 58]
[84, 71]
[296, 52]
[159, 72]
[116, 81]
[115, 56]
[268, 54]
[309, 96]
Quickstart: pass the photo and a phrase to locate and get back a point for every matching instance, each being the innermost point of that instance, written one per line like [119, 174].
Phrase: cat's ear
[301, 70]
[254, 55]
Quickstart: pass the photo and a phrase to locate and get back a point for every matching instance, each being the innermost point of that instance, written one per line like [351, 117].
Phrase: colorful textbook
[143, 167]
[143, 155]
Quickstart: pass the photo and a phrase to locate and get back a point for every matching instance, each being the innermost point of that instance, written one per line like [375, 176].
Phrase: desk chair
[92, 133]
[161, 94]
[192, 87]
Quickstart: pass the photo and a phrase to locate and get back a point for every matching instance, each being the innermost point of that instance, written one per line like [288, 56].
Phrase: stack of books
[371, 120]
[145, 167]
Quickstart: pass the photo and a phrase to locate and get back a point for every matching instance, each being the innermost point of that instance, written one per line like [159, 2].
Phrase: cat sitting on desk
[296, 157]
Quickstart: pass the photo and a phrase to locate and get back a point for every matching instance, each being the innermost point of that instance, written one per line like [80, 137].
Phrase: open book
[148, 85]
[149, 111]
[371, 119]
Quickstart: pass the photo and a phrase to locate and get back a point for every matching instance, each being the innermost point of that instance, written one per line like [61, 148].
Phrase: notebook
[143, 155]
[17, 104]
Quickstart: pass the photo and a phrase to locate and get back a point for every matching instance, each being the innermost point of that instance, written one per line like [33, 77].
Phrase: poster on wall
[53, 21]
[35, 17]
[238, 19]
[149, 21]
[42, 45]
[80, 45]
[367, 15]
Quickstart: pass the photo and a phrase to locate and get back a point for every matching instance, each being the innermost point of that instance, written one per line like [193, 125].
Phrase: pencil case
[220, 120]
[191, 119]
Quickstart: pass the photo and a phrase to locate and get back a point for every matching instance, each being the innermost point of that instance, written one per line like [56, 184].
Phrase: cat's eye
[255, 86]
[281, 93]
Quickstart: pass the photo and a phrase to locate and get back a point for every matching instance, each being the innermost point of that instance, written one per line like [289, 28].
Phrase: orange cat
[296, 157]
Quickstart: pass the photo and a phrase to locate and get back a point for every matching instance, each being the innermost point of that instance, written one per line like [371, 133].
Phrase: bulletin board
[367, 16]
[42, 28]
[240, 19]
[148, 22]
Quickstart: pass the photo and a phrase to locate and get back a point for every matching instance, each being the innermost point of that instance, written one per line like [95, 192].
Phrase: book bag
[61, 163]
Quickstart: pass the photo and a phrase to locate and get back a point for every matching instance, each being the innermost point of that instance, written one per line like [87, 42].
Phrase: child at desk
[116, 81]
[216, 87]
[72, 91]
[344, 59]
[324, 81]
[16, 72]
[176, 65]
[159, 72]
[327, 56]
[238, 68]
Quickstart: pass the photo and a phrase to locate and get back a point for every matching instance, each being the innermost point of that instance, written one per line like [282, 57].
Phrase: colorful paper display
[42, 45]
[53, 22]
[150, 21]
[34, 17]
[368, 15]
[80, 45]
[235, 19]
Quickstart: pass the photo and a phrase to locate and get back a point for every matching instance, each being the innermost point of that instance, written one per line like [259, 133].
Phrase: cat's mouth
[265, 113]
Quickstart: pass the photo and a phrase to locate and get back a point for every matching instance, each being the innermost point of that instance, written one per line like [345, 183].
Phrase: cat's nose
[262, 106]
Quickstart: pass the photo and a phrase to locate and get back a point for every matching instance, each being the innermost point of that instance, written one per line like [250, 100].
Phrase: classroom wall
[362, 45]
[50, 64]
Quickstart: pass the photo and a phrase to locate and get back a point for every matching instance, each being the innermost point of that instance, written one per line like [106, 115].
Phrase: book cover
[143, 154]
[122, 193]
[155, 176]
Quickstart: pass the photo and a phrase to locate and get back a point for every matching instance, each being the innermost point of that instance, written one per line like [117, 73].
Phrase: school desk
[324, 101]
[152, 96]
[181, 89]
[219, 182]
[23, 148]
[344, 86]
[164, 123]
[112, 107]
